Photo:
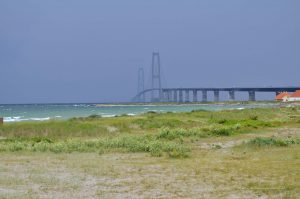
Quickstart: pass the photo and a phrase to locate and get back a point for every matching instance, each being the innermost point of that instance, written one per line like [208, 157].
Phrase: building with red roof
[282, 96]
[294, 96]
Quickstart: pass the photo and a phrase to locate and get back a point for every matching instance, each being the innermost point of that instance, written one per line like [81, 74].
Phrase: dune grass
[198, 154]
[96, 126]
[154, 133]
[146, 144]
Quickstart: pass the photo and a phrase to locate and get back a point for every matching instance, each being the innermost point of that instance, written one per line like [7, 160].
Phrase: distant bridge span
[176, 94]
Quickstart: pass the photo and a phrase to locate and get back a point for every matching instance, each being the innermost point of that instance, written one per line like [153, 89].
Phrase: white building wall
[292, 99]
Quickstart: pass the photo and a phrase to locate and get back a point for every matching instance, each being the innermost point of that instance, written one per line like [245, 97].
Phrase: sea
[44, 112]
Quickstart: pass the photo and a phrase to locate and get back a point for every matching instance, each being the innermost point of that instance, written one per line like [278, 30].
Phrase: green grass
[198, 154]
[154, 133]
[129, 143]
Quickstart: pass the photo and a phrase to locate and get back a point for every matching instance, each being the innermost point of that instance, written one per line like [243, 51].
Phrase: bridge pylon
[141, 85]
[156, 95]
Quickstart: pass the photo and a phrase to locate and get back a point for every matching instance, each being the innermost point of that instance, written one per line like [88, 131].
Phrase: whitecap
[131, 114]
[13, 119]
[108, 115]
[40, 119]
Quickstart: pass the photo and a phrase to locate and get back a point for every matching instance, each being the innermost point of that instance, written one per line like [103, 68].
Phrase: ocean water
[43, 112]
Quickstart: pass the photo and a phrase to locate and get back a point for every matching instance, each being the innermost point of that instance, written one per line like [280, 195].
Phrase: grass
[128, 143]
[273, 142]
[198, 154]
[236, 172]
[154, 133]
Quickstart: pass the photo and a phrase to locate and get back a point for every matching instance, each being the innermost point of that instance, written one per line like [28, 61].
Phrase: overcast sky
[90, 51]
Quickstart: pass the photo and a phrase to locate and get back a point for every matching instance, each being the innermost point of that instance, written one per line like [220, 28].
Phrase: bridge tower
[156, 96]
[141, 85]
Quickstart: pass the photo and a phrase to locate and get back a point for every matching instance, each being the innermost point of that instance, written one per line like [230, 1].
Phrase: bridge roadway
[176, 94]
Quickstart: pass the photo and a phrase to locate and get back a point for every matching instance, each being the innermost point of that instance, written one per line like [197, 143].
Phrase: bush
[221, 131]
[261, 142]
[199, 110]
[155, 123]
[172, 134]
[253, 117]
[222, 121]
[42, 139]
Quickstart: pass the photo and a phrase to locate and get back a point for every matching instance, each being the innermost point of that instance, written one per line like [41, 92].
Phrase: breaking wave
[21, 118]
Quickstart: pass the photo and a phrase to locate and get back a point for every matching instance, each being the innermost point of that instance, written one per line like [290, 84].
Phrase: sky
[68, 51]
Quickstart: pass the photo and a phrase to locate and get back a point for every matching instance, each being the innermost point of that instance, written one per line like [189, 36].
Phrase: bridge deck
[256, 89]
[231, 90]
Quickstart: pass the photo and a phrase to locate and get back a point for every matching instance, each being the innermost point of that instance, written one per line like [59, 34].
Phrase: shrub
[261, 142]
[199, 110]
[42, 139]
[253, 117]
[94, 116]
[222, 121]
[171, 134]
[222, 131]
[155, 123]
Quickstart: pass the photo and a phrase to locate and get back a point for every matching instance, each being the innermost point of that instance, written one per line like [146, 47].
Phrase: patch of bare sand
[107, 176]
[46, 175]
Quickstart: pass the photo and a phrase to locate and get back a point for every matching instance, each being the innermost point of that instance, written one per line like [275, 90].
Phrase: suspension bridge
[159, 94]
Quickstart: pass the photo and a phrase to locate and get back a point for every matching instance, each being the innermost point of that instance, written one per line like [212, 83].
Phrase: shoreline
[87, 110]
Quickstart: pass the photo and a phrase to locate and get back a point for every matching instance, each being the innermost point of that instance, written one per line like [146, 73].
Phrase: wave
[108, 115]
[21, 118]
[130, 114]
[40, 119]
[14, 119]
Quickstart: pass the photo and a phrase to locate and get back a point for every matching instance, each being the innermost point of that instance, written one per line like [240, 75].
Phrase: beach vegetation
[155, 133]
[273, 142]
[226, 153]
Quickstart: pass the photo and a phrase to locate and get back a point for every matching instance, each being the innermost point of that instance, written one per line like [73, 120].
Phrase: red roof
[280, 96]
[296, 94]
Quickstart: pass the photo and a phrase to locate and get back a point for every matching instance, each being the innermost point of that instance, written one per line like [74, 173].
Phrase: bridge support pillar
[187, 96]
[180, 96]
[204, 96]
[175, 95]
[164, 96]
[231, 96]
[251, 95]
[195, 96]
[169, 96]
[216, 96]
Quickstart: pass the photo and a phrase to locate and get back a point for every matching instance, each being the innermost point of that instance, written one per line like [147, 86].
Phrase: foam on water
[22, 118]
[108, 115]
[131, 114]
[40, 119]
[14, 119]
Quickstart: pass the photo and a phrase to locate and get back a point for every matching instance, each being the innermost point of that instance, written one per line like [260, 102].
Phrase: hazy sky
[90, 51]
